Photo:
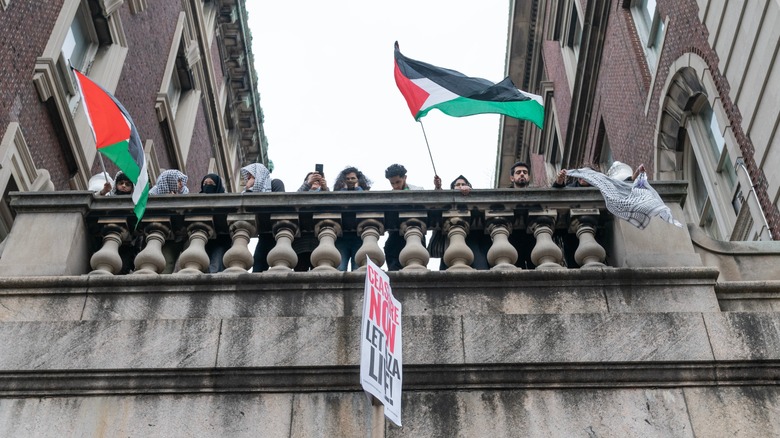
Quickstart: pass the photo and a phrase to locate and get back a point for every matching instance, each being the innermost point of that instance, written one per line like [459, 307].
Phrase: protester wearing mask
[220, 244]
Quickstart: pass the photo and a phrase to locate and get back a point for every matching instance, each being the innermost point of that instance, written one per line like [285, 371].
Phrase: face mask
[209, 189]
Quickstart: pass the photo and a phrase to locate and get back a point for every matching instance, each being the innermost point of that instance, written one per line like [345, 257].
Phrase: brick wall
[624, 84]
[22, 40]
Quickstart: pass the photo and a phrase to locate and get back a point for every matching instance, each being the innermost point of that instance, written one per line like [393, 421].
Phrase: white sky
[325, 77]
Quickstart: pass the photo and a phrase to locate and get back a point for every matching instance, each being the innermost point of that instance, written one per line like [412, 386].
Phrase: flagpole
[103, 165]
[428, 146]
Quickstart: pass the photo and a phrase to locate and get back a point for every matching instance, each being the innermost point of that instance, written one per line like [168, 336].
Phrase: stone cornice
[416, 378]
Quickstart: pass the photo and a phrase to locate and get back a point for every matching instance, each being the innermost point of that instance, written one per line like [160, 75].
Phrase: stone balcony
[535, 221]
[634, 340]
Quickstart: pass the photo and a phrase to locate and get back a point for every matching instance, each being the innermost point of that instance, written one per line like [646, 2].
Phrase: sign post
[381, 353]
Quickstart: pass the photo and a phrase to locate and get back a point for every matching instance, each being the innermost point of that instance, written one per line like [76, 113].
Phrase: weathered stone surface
[747, 411]
[29, 251]
[564, 413]
[232, 415]
[744, 336]
[270, 342]
[672, 298]
[585, 338]
[108, 345]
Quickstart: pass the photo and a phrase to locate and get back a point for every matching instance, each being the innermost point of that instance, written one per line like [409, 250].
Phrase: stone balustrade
[74, 233]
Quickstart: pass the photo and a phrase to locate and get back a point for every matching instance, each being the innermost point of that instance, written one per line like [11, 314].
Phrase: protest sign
[381, 357]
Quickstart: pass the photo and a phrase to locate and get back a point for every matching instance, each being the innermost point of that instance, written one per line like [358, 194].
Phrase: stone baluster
[195, 259]
[151, 260]
[414, 256]
[238, 259]
[546, 254]
[589, 254]
[370, 229]
[325, 256]
[458, 256]
[282, 258]
[502, 256]
[107, 260]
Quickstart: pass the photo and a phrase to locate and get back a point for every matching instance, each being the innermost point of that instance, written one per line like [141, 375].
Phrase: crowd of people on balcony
[256, 178]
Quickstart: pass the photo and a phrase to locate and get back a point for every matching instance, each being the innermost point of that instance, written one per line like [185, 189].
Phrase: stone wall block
[744, 336]
[308, 341]
[109, 345]
[586, 338]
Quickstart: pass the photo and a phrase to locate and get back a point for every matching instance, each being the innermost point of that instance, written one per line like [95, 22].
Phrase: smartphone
[318, 168]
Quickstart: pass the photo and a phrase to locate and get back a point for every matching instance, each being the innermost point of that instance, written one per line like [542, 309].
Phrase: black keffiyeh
[637, 203]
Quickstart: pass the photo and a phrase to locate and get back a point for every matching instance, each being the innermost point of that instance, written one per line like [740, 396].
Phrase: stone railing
[74, 233]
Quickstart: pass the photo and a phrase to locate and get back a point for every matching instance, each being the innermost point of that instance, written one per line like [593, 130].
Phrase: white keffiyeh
[168, 182]
[637, 203]
[262, 177]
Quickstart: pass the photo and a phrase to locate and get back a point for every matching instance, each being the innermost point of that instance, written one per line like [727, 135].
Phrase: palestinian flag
[426, 87]
[116, 137]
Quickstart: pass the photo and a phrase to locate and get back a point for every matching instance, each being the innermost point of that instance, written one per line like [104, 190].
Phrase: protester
[265, 241]
[307, 242]
[396, 175]
[211, 183]
[130, 248]
[519, 175]
[351, 179]
[221, 243]
[314, 182]
[256, 178]
[348, 244]
[560, 180]
[122, 186]
[476, 239]
[172, 182]
[520, 178]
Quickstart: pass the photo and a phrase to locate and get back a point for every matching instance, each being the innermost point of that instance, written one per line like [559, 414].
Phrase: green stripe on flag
[120, 155]
[462, 106]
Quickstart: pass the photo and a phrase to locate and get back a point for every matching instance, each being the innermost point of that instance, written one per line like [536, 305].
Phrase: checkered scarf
[637, 203]
[262, 177]
[168, 182]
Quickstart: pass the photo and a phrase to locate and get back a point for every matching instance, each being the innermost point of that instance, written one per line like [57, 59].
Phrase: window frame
[177, 118]
[651, 29]
[721, 186]
[52, 79]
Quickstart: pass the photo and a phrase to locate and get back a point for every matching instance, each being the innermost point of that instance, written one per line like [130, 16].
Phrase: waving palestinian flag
[116, 137]
[426, 87]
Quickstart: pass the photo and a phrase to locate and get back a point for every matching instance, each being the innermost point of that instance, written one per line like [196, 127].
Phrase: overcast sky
[325, 77]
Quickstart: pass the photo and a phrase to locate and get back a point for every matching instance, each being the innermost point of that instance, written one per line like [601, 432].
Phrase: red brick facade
[26, 26]
[624, 82]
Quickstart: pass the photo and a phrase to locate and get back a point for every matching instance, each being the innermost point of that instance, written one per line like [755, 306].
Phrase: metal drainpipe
[741, 163]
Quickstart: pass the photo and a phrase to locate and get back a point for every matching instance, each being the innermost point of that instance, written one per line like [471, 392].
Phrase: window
[650, 29]
[179, 97]
[712, 178]
[87, 35]
[17, 173]
[574, 33]
[603, 150]
[571, 38]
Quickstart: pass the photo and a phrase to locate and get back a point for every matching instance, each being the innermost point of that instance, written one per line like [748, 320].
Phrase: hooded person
[221, 243]
[171, 181]
[122, 185]
[477, 241]
[256, 178]
[211, 183]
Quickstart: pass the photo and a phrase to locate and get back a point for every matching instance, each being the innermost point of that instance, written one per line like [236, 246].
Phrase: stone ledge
[416, 378]
[612, 290]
